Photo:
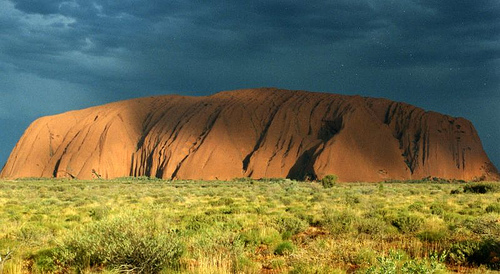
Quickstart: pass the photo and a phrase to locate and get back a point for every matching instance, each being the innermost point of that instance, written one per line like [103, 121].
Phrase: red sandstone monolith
[258, 133]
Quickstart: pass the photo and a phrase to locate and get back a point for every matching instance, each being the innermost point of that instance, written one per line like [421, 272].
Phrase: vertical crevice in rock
[303, 168]
[208, 127]
[262, 136]
[56, 168]
[330, 128]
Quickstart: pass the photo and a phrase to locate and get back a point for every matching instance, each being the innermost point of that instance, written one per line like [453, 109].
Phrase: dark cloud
[440, 55]
[38, 6]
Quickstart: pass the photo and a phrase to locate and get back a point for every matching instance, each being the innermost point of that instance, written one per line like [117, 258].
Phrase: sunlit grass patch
[245, 226]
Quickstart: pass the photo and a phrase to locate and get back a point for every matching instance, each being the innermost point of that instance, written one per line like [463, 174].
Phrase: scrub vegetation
[142, 225]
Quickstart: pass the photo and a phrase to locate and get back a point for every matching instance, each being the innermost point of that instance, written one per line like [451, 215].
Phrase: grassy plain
[246, 226]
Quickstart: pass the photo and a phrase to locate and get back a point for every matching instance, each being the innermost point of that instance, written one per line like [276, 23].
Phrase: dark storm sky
[57, 55]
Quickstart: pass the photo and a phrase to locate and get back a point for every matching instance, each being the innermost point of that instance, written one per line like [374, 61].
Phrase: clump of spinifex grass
[129, 243]
[147, 225]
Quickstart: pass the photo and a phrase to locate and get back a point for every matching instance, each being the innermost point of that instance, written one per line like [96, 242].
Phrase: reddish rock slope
[256, 133]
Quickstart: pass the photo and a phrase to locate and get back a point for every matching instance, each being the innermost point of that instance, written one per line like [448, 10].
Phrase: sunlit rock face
[258, 133]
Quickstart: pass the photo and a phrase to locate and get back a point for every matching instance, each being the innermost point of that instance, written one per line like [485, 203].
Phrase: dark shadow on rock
[303, 168]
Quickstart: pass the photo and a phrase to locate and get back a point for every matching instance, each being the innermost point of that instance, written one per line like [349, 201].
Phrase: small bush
[329, 181]
[365, 257]
[407, 223]
[243, 264]
[461, 252]
[48, 261]
[437, 209]
[485, 252]
[475, 204]
[398, 262]
[339, 222]
[284, 248]
[456, 191]
[126, 244]
[250, 237]
[435, 264]
[73, 218]
[352, 200]
[257, 236]
[290, 224]
[31, 234]
[417, 206]
[198, 222]
[99, 213]
[493, 208]
[278, 264]
[481, 188]
[371, 226]
[432, 236]
[484, 225]
[223, 201]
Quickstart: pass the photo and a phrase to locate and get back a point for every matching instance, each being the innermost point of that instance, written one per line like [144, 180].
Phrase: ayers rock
[252, 133]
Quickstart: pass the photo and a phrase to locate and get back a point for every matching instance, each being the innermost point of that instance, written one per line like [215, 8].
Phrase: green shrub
[407, 223]
[232, 209]
[243, 264]
[123, 243]
[257, 236]
[31, 234]
[284, 248]
[317, 197]
[437, 209]
[485, 252]
[387, 264]
[223, 201]
[365, 257]
[329, 181]
[475, 204]
[461, 252]
[481, 188]
[286, 201]
[435, 264]
[339, 222]
[261, 210]
[371, 226]
[250, 237]
[398, 262]
[484, 225]
[456, 191]
[352, 200]
[73, 218]
[493, 208]
[290, 224]
[49, 261]
[417, 206]
[198, 222]
[99, 213]
[432, 236]
[277, 264]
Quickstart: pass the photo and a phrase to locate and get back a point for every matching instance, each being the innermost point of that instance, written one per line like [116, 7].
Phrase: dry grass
[270, 226]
